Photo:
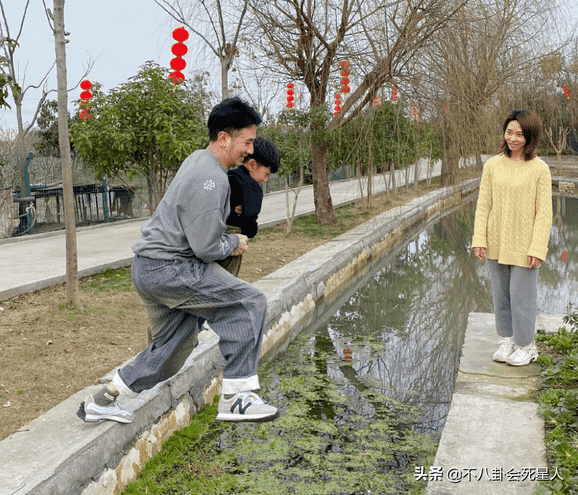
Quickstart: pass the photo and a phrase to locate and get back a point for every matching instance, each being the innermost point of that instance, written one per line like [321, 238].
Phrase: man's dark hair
[232, 114]
[531, 128]
[265, 153]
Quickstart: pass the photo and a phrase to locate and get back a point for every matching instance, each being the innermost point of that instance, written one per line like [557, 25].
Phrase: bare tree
[218, 24]
[9, 44]
[475, 68]
[72, 295]
[307, 40]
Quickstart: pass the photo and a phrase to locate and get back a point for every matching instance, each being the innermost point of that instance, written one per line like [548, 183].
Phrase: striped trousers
[175, 294]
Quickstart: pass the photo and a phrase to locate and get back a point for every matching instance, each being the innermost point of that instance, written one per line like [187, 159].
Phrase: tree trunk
[72, 294]
[321, 194]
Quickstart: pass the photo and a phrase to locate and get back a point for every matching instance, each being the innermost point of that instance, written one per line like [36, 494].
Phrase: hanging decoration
[566, 92]
[179, 50]
[394, 93]
[337, 103]
[290, 95]
[345, 88]
[85, 96]
[376, 101]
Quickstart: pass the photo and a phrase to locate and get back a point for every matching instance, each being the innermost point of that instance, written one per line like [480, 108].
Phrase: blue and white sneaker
[245, 406]
[90, 411]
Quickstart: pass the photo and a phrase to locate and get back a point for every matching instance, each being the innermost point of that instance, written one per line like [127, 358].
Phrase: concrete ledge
[492, 428]
[57, 454]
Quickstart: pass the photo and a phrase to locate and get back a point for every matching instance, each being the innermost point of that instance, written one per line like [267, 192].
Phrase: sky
[119, 36]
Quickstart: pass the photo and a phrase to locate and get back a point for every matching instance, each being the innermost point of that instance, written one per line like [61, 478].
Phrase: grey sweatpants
[515, 292]
[175, 294]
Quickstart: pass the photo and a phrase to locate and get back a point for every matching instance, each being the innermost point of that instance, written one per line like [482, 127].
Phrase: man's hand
[242, 245]
[239, 209]
[480, 253]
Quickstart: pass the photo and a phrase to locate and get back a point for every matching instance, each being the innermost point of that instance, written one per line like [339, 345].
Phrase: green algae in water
[323, 442]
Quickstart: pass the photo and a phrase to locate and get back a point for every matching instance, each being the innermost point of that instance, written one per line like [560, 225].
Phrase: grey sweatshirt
[190, 219]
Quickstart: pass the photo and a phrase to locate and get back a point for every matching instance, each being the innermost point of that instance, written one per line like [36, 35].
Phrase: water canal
[364, 390]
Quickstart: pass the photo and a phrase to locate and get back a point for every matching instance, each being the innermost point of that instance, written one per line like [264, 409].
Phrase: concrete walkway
[493, 439]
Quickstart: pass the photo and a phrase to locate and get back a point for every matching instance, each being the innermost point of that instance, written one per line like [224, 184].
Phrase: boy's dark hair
[531, 128]
[265, 153]
[232, 114]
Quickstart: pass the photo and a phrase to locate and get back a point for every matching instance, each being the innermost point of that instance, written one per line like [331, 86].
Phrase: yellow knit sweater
[514, 211]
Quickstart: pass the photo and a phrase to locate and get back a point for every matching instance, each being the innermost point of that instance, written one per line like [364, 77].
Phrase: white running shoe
[523, 355]
[506, 348]
[90, 411]
[245, 406]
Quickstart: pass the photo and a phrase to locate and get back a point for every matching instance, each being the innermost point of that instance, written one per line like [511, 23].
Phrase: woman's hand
[480, 253]
[534, 262]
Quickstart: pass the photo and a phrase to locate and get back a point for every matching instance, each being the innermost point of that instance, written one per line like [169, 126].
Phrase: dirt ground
[49, 352]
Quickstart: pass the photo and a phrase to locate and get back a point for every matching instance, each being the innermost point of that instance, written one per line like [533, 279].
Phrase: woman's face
[515, 137]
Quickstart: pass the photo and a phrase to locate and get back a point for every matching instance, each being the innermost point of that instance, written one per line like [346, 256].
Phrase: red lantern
[86, 84]
[180, 34]
[289, 104]
[376, 101]
[290, 85]
[177, 77]
[345, 89]
[86, 95]
[345, 64]
[178, 63]
[394, 93]
[179, 49]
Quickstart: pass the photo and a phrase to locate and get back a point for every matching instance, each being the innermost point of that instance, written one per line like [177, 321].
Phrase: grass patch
[111, 280]
[558, 405]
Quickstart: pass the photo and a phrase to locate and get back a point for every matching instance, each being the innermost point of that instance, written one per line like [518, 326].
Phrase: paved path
[34, 262]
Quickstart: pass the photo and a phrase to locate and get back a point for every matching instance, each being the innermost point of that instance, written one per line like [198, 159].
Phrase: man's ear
[224, 139]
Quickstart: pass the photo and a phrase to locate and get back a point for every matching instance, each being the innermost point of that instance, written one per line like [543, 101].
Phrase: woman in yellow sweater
[511, 230]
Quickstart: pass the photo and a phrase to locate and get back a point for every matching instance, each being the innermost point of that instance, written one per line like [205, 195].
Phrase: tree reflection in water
[400, 333]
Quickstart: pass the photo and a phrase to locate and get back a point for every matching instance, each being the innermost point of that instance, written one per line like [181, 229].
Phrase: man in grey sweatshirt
[176, 275]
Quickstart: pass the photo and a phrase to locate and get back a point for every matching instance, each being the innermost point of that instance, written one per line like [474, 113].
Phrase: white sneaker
[523, 355]
[506, 348]
[90, 411]
[245, 406]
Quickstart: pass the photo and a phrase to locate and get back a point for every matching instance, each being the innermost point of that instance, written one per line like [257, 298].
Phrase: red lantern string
[566, 91]
[345, 77]
[290, 95]
[394, 93]
[84, 97]
[179, 50]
